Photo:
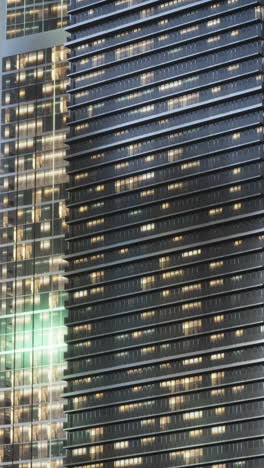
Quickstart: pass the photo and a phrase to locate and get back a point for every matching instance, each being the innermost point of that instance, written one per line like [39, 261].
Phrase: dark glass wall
[165, 243]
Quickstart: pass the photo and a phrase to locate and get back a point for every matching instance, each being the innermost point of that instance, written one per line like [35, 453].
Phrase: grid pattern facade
[165, 242]
[32, 212]
[26, 17]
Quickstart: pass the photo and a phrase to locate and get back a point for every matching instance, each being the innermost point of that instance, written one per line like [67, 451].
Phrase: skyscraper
[165, 326]
[32, 211]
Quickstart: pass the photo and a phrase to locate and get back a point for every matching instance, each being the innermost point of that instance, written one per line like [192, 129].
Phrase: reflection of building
[166, 235]
[32, 209]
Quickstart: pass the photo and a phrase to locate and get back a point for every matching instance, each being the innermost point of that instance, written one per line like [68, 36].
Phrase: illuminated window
[99, 188]
[148, 349]
[191, 287]
[196, 433]
[217, 356]
[219, 318]
[147, 315]
[130, 407]
[45, 245]
[95, 222]
[215, 211]
[45, 227]
[191, 326]
[96, 450]
[218, 430]
[165, 421]
[219, 411]
[163, 37]
[177, 238]
[147, 282]
[127, 462]
[192, 361]
[213, 22]
[96, 239]
[193, 454]
[148, 440]
[190, 165]
[165, 365]
[79, 294]
[147, 227]
[97, 276]
[238, 242]
[95, 432]
[136, 389]
[177, 401]
[216, 89]
[137, 334]
[123, 251]
[218, 392]
[147, 193]
[166, 293]
[79, 128]
[147, 422]
[213, 39]
[174, 154]
[217, 377]
[189, 29]
[238, 388]
[132, 182]
[185, 383]
[164, 261]
[192, 415]
[217, 282]
[172, 274]
[147, 77]
[235, 188]
[214, 265]
[79, 452]
[134, 371]
[98, 290]
[192, 305]
[84, 208]
[121, 165]
[175, 186]
[123, 444]
[164, 21]
[233, 67]
[217, 337]
[134, 212]
[191, 253]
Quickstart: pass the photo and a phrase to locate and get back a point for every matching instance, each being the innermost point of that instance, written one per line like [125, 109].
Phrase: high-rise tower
[32, 211]
[165, 326]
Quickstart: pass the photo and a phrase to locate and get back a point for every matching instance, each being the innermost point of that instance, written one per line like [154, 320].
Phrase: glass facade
[165, 242]
[26, 17]
[32, 229]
